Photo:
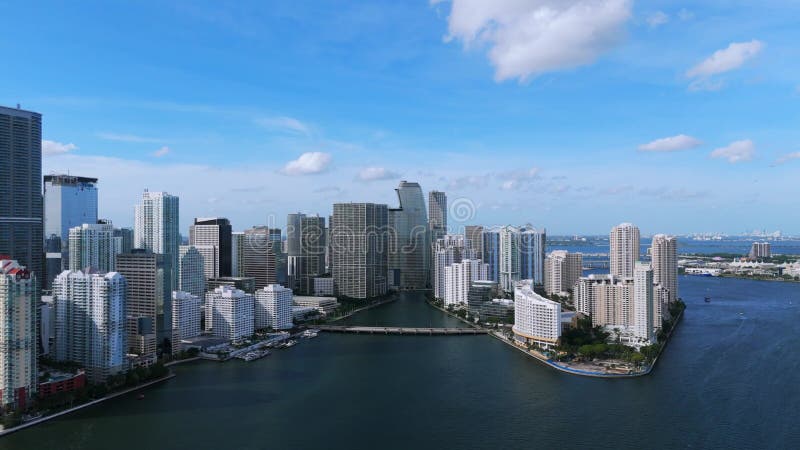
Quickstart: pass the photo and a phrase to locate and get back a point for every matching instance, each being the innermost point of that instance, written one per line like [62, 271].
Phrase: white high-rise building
[561, 271]
[643, 304]
[237, 253]
[664, 255]
[273, 308]
[186, 314]
[459, 277]
[93, 246]
[510, 258]
[537, 320]
[19, 300]
[623, 249]
[230, 313]
[90, 322]
[156, 227]
[191, 271]
[450, 249]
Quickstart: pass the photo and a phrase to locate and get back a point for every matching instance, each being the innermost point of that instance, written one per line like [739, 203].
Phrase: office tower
[47, 325]
[237, 253]
[474, 236]
[623, 249]
[191, 271]
[19, 301]
[90, 322]
[664, 256]
[459, 277]
[480, 292]
[408, 239]
[156, 227]
[491, 252]
[231, 313]
[258, 259]
[273, 308]
[149, 306]
[643, 304]
[532, 243]
[437, 213]
[21, 221]
[53, 260]
[214, 235]
[562, 270]
[510, 258]
[281, 258]
[69, 201]
[93, 246]
[760, 250]
[186, 314]
[125, 236]
[359, 244]
[293, 234]
[309, 259]
[537, 320]
[449, 249]
[323, 287]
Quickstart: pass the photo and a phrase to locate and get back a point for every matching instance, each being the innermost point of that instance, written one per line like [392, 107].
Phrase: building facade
[359, 247]
[459, 277]
[537, 320]
[623, 250]
[308, 244]
[21, 210]
[94, 246]
[213, 234]
[19, 301]
[231, 313]
[258, 256]
[191, 271]
[156, 227]
[186, 315]
[69, 201]
[273, 308]
[90, 322]
[449, 249]
[664, 257]
[562, 270]
[409, 255]
[532, 247]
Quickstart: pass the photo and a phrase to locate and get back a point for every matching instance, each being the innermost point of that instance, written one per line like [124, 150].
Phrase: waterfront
[726, 380]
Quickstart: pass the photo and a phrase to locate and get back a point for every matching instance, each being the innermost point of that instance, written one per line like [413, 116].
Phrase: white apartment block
[450, 249]
[19, 300]
[186, 314]
[643, 304]
[230, 313]
[537, 320]
[156, 227]
[273, 308]
[561, 271]
[623, 249]
[191, 271]
[664, 257]
[90, 319]
[459, 277]
[93, 246]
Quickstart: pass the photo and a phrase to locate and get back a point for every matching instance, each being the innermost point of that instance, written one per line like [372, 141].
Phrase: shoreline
[389, 299]
[41, 420]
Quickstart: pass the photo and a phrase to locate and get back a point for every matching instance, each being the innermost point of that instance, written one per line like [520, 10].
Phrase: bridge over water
[400, 330]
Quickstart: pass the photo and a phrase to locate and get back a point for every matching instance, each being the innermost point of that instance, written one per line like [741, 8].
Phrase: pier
[400, 330]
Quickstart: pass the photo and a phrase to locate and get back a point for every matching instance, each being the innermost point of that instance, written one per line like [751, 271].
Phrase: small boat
[708, 299]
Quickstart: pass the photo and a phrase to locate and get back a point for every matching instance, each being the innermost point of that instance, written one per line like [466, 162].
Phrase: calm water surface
[729, 379]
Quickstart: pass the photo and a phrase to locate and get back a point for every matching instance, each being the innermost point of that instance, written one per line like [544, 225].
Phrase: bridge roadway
[400, 330]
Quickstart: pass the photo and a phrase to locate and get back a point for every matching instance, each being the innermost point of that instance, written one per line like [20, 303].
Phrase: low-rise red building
[62, 382]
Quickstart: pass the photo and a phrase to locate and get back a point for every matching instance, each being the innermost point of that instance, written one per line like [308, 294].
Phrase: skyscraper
[237, 253]
[450, 249]
[408, 239]
[308, 261]
[532, 247]
[664, 254]
[230, 313]
[149, 303]
[258, 259]
[359, 243]
[93, 246]
[510, 258]
[21, 221]
[191, 271]
[69, 201]
[156, 227]
[623, 249]
[19, 301]
[537, 320]
[643, 303]
[474, 236]
[90, 322]
[437, 212]
[562, 270]
[186, 314]
[273, 308]
[459, 276]
[214, 234]
[491, 252]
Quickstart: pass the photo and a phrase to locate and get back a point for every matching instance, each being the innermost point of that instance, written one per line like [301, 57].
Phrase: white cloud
[127, 138]
[51, 148]
[671, 144]
[685, 14]
[727, 59]
[657, 19]
[161, 152]
[736, 151]
[284, 124]
[518, 179]
[308, 164]
[528, 38]
[376, 173]
[786, 158]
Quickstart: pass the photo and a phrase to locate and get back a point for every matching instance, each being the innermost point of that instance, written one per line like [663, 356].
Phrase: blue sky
[573, 115]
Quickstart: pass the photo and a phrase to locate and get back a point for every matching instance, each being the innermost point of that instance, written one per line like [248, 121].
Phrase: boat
[708, 299]
[290, 343]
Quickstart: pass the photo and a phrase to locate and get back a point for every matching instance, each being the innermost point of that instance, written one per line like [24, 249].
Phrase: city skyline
[430, 97]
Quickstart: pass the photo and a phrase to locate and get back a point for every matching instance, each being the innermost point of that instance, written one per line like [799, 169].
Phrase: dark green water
[727, 380]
